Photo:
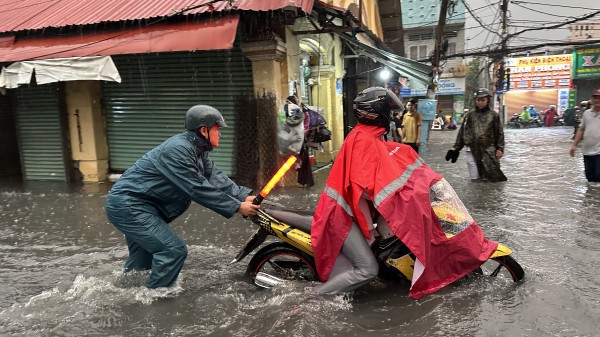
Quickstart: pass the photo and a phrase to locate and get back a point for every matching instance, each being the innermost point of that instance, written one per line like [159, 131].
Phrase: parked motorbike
[515, 122]
[534, 122]
[290, 256]
[559, 120]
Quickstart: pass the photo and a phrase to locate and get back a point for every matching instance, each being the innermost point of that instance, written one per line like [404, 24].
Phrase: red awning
[207, 35]
[20, 15]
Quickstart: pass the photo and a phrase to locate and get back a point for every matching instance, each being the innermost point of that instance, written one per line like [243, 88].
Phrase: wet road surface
[60, 263]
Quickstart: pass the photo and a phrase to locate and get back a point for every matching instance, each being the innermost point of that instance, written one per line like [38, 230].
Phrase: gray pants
[472, 165]
[354, 266]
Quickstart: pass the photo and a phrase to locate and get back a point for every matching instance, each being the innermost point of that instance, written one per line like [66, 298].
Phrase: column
[89, 149]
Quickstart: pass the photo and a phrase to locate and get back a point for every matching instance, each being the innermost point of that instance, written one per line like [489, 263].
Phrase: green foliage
[472, 82]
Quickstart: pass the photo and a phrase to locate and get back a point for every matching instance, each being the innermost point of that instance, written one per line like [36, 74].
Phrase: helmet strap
[207, 137]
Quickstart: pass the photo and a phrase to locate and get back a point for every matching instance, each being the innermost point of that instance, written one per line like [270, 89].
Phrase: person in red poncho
[374, 181]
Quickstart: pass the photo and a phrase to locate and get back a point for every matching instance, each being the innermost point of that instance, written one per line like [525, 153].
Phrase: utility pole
[439, 34]
[501, 75]
[504, 8]
[400, 49]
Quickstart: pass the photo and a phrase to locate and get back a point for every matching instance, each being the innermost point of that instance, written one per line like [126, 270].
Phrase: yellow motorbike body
[302, 240]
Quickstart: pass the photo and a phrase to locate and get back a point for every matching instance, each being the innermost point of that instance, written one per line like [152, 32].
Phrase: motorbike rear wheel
[502, 267]
[283, 261]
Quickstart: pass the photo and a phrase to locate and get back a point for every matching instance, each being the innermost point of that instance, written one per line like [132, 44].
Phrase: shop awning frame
[416, 72]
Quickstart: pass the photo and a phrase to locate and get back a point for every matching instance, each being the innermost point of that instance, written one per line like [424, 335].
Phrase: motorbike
[534, 122]
[290, 255]
[559, 120]
[515, 122]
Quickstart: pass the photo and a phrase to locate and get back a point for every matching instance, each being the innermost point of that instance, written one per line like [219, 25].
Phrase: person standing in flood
[589, 132]
[483, 136]
[549, 115]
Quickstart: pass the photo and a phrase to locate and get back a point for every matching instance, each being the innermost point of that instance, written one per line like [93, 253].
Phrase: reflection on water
[61, 263]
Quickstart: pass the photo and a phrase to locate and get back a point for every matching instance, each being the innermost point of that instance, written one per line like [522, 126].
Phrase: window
[413, 53]
[418, 52]
[451, 48]
[422, 52]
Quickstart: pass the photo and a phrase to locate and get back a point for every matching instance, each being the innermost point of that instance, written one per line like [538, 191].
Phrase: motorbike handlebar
[258, 199]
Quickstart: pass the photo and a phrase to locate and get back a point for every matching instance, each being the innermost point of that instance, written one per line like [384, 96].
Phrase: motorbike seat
[299, 221]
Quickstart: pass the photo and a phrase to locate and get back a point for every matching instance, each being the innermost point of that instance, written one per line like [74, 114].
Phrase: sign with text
[586, 62]
[540, 72]
[451, 86]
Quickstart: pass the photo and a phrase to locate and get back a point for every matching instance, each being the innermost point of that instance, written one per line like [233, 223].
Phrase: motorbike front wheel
[502, 267]
[283, 261]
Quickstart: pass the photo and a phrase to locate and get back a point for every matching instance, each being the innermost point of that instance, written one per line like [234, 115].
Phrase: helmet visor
[221, 123]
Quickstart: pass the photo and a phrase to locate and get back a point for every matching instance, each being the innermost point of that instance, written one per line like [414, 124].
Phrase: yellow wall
[370, 13]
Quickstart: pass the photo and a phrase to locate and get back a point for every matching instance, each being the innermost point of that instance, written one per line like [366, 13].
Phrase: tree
[474, 69]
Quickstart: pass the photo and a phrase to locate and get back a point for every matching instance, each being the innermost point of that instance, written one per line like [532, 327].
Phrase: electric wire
[545, 13]
[552, 5]
[478, 19]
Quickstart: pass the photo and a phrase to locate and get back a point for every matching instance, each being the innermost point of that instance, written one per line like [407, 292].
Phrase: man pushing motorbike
[160, 186]
[372, 181]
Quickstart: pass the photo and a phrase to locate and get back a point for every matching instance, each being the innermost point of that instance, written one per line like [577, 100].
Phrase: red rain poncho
[398, 182]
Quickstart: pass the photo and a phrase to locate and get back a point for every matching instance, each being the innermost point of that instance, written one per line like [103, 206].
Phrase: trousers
[354, 266]
[151, 241]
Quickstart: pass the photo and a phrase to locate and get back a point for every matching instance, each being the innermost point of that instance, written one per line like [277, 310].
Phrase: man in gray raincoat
[483, 135]
[160, 186]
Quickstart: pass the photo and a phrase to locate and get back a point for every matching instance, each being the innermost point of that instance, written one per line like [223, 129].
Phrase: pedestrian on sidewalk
[589, 133]
[411, 125]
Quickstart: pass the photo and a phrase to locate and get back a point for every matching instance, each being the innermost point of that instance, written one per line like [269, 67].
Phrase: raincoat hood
[198, 139]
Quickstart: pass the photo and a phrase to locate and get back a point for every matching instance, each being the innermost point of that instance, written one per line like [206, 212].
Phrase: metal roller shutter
[41, 134]
[149, 105]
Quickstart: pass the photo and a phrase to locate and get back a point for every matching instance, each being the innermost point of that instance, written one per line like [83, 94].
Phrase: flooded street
[60, 262]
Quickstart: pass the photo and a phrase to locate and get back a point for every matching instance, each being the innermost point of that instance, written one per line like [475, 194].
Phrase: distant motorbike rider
[524, 117]
[483, 136]
[160, 186]
[533, 112]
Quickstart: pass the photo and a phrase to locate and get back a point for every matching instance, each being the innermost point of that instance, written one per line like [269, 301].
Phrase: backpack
[317, 131]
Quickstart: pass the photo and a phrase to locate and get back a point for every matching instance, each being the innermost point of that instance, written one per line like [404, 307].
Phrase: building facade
[410, 28]
[87, 90]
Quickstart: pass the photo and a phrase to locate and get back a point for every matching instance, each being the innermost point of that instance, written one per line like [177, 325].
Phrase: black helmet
[203, 115]
[293, 99]
[482, 92]
[374, 105]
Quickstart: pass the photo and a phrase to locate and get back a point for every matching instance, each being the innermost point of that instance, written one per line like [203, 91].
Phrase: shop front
[451, 97]
[540, 81]
[586, 72]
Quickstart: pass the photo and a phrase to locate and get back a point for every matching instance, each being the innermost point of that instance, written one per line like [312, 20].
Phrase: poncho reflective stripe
[398, 182]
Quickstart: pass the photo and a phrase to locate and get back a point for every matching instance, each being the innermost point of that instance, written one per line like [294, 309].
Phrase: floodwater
[60, 263]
